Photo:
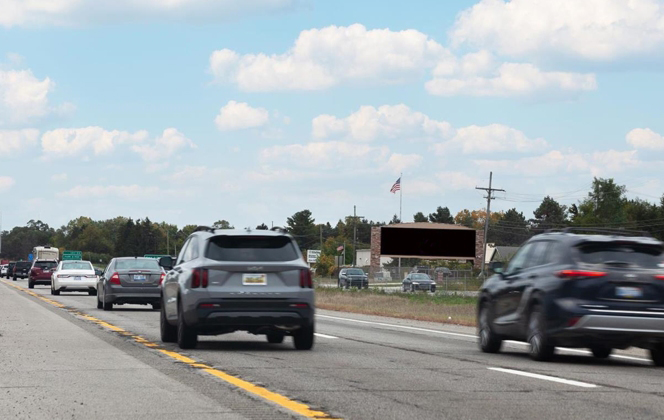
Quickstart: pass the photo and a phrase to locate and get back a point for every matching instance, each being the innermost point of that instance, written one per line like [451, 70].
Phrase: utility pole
[489, 197]
[355, 216]
[321, 237]
[168, 245]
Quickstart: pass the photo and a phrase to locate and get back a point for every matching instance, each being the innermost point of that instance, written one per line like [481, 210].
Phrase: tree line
[605, 206]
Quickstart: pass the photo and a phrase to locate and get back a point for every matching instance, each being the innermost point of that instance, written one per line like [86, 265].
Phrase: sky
[192, 111]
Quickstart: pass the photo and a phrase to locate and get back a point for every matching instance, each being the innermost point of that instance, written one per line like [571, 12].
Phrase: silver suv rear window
[251, 248]
[621, 254]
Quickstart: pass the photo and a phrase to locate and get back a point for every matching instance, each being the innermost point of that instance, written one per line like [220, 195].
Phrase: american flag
[340, 247]
[396, 187]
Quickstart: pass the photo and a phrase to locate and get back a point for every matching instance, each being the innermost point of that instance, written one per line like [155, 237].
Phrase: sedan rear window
[251, 248]
[76, 266]
[622, 255]
[137, 264]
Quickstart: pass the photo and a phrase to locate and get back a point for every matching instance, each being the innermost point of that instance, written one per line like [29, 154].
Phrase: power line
[489, 197]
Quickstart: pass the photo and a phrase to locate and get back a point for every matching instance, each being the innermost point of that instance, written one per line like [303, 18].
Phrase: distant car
[22, 270]
[10, 270]
[130, 280]
[74, 276]
[418, 281]
[99, 272]
[353, 277]
[40, 272]
[3, 270]
[238, 280]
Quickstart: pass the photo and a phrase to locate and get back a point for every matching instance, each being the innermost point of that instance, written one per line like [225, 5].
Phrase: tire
[412, 288]
[366, 286]
[346, 285]
[107, 306]
[92, 292]
[55, 292]
[303, 339]
[14, 278]
[541, 348]
[31, 285]
[169, 333]
[489, 341]
[156, 306]
[601, 352]
[433, 290]
[99, 304]
[187, 337]
[657, 354]
[275, 338]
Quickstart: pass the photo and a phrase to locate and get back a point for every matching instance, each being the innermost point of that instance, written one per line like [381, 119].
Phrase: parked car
[10, 270]
[22, 270]
[134, 280]
[418, 281]
[600, 291]
[238, 280]
[353, 277]
[74, 276]
[40, 272]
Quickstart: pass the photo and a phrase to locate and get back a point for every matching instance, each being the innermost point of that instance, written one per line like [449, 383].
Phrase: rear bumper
[249, 315]
[39, 280]
[132, 295]
[76, 284]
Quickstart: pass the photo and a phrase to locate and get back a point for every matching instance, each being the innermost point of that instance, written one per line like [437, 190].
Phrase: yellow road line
[281, 400]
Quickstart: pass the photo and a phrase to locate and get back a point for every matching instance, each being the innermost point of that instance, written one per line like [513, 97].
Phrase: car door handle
[532, 276]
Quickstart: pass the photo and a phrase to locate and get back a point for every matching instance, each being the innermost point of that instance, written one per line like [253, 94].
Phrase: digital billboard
[434, 243]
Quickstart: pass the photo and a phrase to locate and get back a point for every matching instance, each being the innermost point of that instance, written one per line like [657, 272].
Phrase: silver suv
[237, 280]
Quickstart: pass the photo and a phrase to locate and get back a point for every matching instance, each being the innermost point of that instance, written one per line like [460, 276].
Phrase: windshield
[355, 272]
[617, 254]
[251, 248]
[45, 265]
[419, 277]
[137, 264]
[78, 265]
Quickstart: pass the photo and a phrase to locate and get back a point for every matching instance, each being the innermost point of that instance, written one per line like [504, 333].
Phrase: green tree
[262, 226]
[395, 220]
[605, 205]
[419, 217]
[222, 224]
[442, 215]
[301, 225]
[511, 230]
[549, 214]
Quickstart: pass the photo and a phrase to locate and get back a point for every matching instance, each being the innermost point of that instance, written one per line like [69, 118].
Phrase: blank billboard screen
[435, 243]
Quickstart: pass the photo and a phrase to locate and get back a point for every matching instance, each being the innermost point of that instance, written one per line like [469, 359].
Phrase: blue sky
[191, 111]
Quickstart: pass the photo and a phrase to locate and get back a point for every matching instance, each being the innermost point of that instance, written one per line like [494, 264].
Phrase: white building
[363, 258]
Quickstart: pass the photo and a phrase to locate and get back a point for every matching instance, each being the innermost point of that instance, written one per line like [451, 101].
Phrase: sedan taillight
[115, 279]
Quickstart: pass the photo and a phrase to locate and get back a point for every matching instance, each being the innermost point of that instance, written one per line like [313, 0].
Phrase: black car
[353, 277]
[22, 269]
[600, 291]
[418, 281]
[10, 270]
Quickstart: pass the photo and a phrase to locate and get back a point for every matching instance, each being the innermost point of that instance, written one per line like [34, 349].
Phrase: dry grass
[457, 310]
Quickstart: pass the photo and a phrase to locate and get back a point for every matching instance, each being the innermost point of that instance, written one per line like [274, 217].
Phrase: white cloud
[443, 182]
[239, 115]
[490, 139]
[557, 162]
[398, 162]
[6, 183]
[645, 138]
[324, 155]
[77, 12]
[23, 97]
[63, 142]
[456, 181]
[479, 75]
[170, 142]
[59, 177]
[588, 29]
[322, 58]
[388, 121]
[129, 192]
[12, 141]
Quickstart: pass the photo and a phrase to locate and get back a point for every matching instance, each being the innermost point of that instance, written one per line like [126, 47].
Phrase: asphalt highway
[365, 367]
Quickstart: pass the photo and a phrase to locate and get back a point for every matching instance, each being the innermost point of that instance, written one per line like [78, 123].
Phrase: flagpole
[400, 209]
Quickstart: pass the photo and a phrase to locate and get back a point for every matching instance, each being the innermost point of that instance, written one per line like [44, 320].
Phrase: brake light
[573, 321]
[305, 279]
[115, 279]
[199, 278]
[161, 278]
[660, 277]
[205, 279]
[299, 305]
[207, 305]
[568, 274]
[63, 276]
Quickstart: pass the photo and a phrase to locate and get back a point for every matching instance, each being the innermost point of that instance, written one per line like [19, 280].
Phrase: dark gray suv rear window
[137, 264]
[251, 248]
[616, 254]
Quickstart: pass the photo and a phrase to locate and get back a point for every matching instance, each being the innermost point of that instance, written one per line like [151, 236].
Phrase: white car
[74, 275]
[3, 270]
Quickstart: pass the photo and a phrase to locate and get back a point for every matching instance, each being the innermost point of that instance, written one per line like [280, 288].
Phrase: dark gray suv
[238, 280]
[601, 291]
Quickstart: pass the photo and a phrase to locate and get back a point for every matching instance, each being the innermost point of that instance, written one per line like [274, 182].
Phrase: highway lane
[368, 367]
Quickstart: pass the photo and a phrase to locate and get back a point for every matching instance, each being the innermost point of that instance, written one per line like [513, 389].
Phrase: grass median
[447, 309]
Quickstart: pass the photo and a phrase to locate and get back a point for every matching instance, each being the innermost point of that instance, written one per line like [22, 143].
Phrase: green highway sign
[72, 255]
[155, 256]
